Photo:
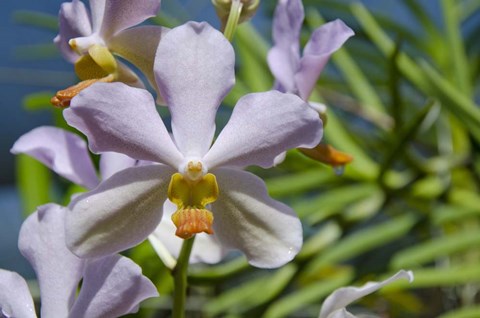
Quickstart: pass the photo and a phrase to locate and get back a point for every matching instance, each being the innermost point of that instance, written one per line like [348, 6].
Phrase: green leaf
[432, 249]
[465, 198]
[458, 103]
[387, 46]
[425, 77]
[361, 242]
[400, 140]
[362, 166]
[38, 101]
[312, 293]
[365, 207]
[218, 273]
[418, 10]
[33, 182]
[324, 237]
[36, 19]
[465, 312]
[430, 187]
[252, 50]
[437, 277]
[296, 183]
[317, 209]
[252, 293]
[454, 213]
[36, 51]
[454, 44]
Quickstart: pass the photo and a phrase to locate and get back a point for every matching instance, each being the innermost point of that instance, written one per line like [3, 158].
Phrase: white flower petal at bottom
[42, 242]
[15, 298]
[334, 305]
[246, 218]
[112, 286]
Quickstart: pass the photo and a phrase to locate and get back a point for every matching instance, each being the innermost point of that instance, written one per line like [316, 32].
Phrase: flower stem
[180, 279]
[233, 17]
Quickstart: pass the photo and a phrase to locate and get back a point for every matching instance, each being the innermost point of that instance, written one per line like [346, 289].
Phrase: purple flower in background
[334, 305]
[298, 74]
[194, 70]
[294, 73]
[112, 286]
[89, 39]
[66, 154]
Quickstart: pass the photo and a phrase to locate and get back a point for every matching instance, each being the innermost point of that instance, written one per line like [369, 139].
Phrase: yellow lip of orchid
[98, 65]
[191, 192]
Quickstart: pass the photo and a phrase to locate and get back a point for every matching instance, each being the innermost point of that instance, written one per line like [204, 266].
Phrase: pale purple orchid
[88, 39]
[294, 73]
[67, 154]
[298, 74]
[194, 71]
[335, 304]
[112, 286]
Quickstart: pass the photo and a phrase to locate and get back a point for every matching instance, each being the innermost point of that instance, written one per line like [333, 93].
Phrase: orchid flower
[111, 286]
[67, 154]
[194, 70]
[298, 74]
[334, 305]
[89, 39]
[294, 73]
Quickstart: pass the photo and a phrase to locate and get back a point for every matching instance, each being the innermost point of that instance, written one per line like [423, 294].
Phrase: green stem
[233, 17]
[180, 279]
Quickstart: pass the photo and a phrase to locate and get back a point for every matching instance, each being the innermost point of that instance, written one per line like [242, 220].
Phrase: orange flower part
[191, 198]
[327, 154]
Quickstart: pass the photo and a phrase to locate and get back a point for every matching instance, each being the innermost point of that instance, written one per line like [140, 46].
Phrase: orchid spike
[67, 154]
[297, 74]
[90, 40]
[335, 304]
[194, 71]
[112, 286]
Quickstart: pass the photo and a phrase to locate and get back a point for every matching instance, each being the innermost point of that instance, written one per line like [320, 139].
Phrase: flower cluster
[168, 187]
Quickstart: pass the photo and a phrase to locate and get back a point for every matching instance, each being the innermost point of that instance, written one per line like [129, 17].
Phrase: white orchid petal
[120, 15]
[119, 118]
[113, 162]
[15, 298]
[42, 242]
[162, 251]
[323, 43]
[194, 70]
[62, 151]
[246, 218]
[120, 213]
[341, 313]
[138, 45]
[342, 297]
[112, 286]
[97, 7]
[74, 21]
[284, 57]
[262, 126]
